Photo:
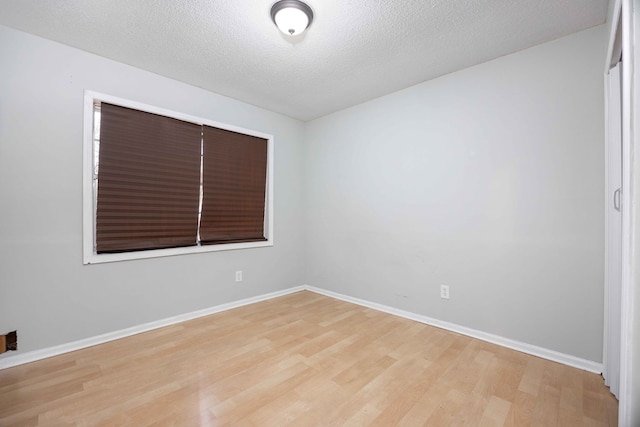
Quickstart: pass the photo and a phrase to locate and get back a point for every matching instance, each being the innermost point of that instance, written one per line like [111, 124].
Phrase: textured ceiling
[354, 51]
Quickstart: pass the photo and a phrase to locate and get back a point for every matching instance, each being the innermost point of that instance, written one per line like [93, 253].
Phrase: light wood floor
[301, 360]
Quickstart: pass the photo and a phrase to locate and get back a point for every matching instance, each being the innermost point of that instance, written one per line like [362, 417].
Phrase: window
[161, 183]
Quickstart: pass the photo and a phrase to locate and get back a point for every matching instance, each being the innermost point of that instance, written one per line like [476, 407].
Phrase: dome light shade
[292, 17]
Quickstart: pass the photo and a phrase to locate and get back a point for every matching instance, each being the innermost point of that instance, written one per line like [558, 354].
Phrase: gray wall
[489, 180]
[46, 293]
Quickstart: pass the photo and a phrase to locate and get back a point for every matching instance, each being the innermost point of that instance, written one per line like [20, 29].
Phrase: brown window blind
[148, 181]
[234, 183]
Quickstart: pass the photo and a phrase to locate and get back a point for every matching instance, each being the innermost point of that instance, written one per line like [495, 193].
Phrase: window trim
[89, 201]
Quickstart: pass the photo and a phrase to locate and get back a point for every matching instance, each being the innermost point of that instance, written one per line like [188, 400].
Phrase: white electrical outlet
[239, 276]
[444, 291]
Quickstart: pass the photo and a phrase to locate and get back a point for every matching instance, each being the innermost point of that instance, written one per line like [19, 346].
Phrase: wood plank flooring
[301, 360]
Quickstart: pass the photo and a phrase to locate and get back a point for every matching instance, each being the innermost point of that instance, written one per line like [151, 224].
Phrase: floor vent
[9, 342]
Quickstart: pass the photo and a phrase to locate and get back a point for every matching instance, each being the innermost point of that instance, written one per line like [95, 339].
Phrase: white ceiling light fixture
[292, 17]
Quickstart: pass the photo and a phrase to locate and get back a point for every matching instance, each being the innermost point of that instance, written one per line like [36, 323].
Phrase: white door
[613, 282]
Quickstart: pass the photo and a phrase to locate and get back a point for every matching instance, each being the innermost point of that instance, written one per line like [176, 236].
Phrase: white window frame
[89, 188]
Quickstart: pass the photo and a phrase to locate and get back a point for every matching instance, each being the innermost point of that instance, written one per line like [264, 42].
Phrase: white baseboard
[555, 356]
[32, 356]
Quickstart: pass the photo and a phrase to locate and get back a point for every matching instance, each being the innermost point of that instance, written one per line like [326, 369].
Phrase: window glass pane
[234, 184]
[148, 182]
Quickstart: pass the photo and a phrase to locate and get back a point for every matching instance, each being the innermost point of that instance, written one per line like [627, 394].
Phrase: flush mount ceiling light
[292, 17]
